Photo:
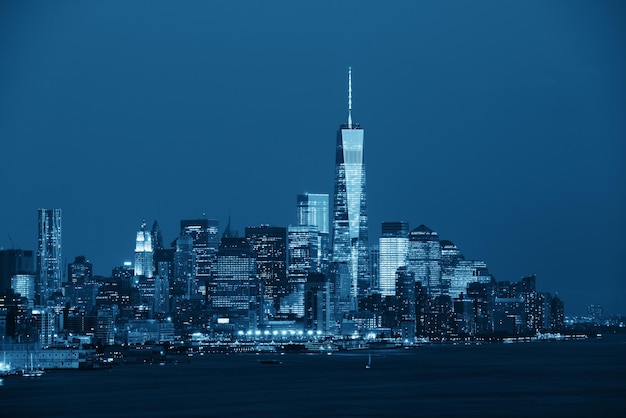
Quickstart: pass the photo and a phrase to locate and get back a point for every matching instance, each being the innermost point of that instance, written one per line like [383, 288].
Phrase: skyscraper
[79, 271]
[14, 262]
[314, 210]
[424, 259]
[236, 295]
[143, 252]
[350, 228]
[49, 253]
[304, 258]
[270, 245]
[393, 247]
[205, 244]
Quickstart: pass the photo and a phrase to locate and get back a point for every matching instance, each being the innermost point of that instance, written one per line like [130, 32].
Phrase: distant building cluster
[321, 276]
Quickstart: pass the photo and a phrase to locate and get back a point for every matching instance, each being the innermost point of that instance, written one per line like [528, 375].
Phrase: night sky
[500, 125]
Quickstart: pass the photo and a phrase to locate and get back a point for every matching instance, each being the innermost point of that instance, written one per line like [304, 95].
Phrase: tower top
[349, 97]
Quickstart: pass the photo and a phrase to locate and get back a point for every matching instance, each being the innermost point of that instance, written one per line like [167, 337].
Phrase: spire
[227, 232]
[349, 97]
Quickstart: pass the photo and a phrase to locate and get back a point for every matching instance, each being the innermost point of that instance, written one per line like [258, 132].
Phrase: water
[551, 379]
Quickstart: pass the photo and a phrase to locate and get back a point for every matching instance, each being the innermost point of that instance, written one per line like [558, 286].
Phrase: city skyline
[510, 155]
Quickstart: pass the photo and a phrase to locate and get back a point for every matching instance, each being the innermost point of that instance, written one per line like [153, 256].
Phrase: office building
[304, 257]
[317, 303]
[466, 272]
[393, 248]
[270, 246]
[13, 262]
[350, 226]
[49, 257]
[144, 252]
[424, 259]
[236, 296]
[80, 271]
[24, 285]
[204, 234]
[314, 210]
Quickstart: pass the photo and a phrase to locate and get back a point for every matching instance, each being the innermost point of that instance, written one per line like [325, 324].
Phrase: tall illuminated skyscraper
[49, 253]
[205, 244]
[143, 252]
[350, 228]
[270, 246]
[393, 248]
[424, 259]
[313, 211]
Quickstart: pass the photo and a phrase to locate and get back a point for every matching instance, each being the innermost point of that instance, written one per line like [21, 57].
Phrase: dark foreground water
[556, 379]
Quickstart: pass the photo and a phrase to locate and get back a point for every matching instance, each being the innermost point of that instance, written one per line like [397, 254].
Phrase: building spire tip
[349, 97]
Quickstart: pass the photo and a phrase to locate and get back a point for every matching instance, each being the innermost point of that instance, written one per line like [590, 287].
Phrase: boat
[270, 361]
[32, 371]
[369, 361]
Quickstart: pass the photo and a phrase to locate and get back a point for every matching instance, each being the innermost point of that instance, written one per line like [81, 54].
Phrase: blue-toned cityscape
[317, 286]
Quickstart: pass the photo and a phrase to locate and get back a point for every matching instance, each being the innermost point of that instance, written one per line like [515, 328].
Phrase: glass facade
[424, 259]
[49, 257]
[466, 272]
[350, 227]
[313, 210]
[393, 249]
[270, 245]
[236, 293]
[204, 233]
[305, 256]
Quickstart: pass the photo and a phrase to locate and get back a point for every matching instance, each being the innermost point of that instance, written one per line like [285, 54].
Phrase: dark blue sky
[501, 125]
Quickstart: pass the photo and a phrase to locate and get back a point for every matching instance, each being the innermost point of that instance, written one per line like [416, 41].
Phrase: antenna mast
[349, 97]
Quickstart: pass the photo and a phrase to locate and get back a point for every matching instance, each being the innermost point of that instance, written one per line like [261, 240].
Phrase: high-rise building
[424, 259]
[79, 271]
[49, 260]
[314, 210]
[350, 227]
[204, 233]
[185, 283]
[144, 252]
[450, 257]
[393, 247]
[24, 284]
[466, 272]
[236, 296]
[157, 236]
[13, 262]
[304, 257]
[270, 245]
[317, 303]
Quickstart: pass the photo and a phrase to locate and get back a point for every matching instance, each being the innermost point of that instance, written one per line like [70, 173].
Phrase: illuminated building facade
[144, 252]
[314, 210]
[466, 272]
[49, 259]
[24, 284]
[424, 259]
[393, 247]
[236, 295]
[204, 234]
[317, 303]
[270, 246]
[13, 262]
[304, 257]
[185, 283]
[350, 226]
[80, 271]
